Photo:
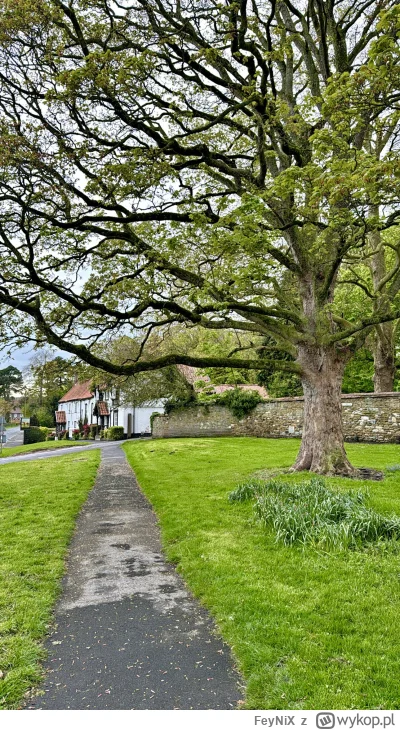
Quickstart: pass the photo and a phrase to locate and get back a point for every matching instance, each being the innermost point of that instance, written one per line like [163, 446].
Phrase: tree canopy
[220, 164]
[10, 379]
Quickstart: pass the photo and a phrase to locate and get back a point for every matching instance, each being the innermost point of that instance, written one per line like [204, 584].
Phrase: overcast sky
[21, 358]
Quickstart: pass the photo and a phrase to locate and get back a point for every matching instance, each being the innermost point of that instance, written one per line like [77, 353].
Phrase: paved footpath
[128, 634]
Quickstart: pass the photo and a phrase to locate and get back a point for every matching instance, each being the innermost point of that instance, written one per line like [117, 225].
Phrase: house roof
[15, 409]
[256, 388]
[192, 374]
[79, 391]
[61, 417]
[102, 408]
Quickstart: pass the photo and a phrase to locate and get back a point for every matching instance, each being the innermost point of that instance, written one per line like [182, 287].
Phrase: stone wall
[366, 417]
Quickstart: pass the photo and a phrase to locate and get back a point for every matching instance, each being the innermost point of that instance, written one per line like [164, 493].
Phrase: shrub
[240, 402]
[86, 430]
[34, 421]
[34, 435]
[51, 436]
[93, 431]
[75, 434]
[179, 402]
[114, 433]
[153, 416]
[310, 512]
[45, 417]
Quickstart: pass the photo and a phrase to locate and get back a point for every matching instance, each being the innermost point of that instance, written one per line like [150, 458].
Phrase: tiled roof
[102, 408]
[61, 417]
[256, 388]
[79, 391]
[192, 374]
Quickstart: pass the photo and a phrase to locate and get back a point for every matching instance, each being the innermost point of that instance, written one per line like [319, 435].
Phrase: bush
[114, 433]
[152, 417]
[179, 402]
[240, 402]
[309, 512]
[93, 431]
[51, 436]
[75, 434]
[45, 417]
[34, 435]
[86, 431]
[34, 421]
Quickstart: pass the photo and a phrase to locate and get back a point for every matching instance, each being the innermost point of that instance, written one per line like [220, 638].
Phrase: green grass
[39, 502]
[309, 629]
[41, 446]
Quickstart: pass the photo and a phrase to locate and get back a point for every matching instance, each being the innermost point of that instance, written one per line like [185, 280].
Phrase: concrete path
[128, 634]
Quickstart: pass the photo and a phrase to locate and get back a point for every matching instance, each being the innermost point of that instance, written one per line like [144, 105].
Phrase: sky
[21, 358]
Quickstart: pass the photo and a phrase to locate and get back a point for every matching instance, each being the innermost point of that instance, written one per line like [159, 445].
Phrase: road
[15, 437]
[36, 455]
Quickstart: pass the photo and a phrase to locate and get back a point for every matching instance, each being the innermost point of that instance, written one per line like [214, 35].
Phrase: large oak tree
[203, 162]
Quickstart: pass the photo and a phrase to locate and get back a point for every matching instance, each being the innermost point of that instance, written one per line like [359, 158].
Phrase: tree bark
[384, 359]
[322, 448]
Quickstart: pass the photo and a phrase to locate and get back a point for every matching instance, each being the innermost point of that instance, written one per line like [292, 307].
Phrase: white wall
[142, 417]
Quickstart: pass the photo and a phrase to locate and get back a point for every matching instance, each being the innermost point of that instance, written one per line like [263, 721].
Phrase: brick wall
[366, 417]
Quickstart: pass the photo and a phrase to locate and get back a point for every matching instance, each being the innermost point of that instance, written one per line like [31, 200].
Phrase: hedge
[34, 434]
[115, 433]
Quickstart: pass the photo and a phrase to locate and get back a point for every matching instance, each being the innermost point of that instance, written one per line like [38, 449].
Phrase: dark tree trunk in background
[384, 358]
[383, 348]
[322, 448]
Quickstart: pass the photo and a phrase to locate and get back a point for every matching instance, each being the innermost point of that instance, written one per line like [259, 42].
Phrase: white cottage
[101, 407]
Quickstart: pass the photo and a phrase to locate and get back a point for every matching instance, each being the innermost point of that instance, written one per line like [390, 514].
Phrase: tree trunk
[384, 359]
[322, 448]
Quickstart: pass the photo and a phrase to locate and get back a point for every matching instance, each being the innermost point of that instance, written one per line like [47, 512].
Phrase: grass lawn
[41, 446]
[39, 502]
[309, 629]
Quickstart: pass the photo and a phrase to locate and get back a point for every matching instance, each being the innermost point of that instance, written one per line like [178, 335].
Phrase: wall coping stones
[345, 396]
[366, 417]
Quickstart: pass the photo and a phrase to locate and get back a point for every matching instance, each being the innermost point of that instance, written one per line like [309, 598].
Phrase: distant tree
[359, 373]
[10, 379]
[52, 377]
[45, 417]
[4, 408]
